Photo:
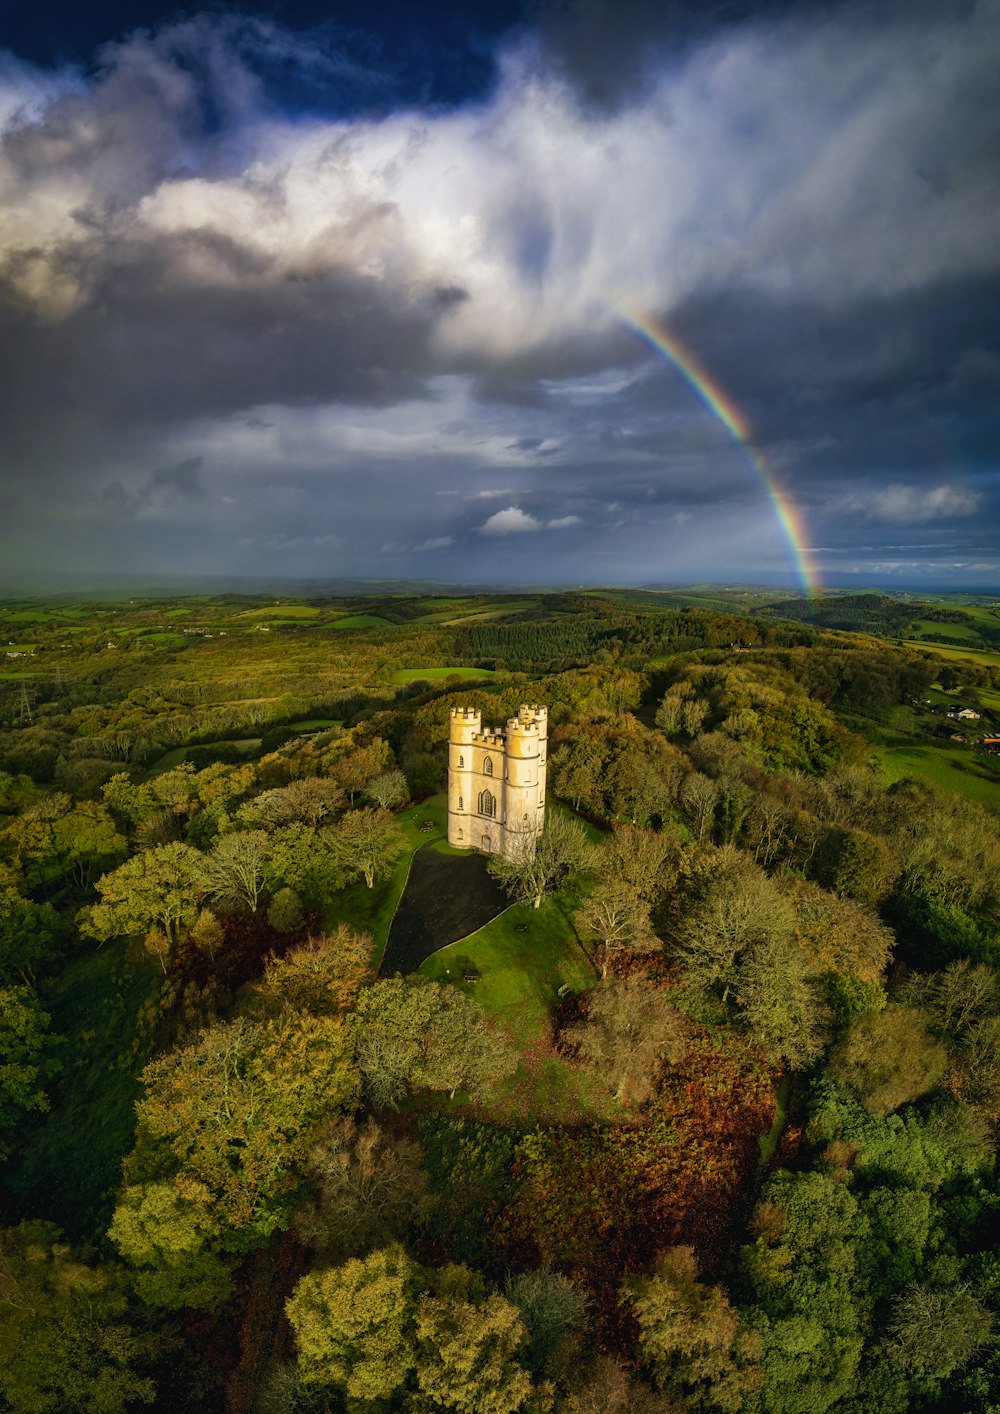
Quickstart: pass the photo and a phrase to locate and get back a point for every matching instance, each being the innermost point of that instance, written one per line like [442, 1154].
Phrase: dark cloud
[267, 332]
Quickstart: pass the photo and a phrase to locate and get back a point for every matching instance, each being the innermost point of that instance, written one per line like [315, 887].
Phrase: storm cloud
[243, 333]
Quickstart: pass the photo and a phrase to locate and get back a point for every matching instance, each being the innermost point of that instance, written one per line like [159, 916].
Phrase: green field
[362, 621]
[958, 631]
[952, 767]
[315, 724]
[284, 611]
[438, 674]
[989, 657]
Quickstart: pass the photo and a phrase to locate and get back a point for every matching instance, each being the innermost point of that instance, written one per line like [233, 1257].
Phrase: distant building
[496, 781]
[964, 714]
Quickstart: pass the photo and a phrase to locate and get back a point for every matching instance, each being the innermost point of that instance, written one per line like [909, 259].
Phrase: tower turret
[465, 724]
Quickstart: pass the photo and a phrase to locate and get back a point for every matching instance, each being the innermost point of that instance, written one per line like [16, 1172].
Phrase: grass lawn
[520, 972]
[15, 677]
[315, 724]
[519, 976]
[438, 674]
[69, 1169]
[954, 768]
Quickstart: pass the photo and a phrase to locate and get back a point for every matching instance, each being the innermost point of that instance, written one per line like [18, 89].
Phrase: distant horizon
[163, 586]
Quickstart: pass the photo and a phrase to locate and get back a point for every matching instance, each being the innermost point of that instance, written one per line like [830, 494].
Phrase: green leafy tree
[305, 859]
[28, 931]
[367, 844]
[353, 1325]
[554, 1314]
[468, 1348]
[238, 1109]
[24, 1063]
[169, 1234]
[729, 906]
[932, 1333]
[416, 1034]
[234, 871]
[537, 867]
[691, 1337]
[160, 888]
[642, 860]
[889, 1058]
[781, 1002]
[66, 1344]
[323, 976]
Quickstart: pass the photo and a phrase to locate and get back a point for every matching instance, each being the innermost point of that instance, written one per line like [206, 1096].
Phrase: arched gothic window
[488, 766]
[487, 803]
[460, 834]
[460, 805]
[461, 760]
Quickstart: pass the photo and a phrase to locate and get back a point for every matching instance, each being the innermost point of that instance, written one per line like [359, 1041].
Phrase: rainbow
[722, 406]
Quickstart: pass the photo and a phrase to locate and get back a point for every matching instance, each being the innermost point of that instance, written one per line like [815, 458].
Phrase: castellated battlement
[496, 780]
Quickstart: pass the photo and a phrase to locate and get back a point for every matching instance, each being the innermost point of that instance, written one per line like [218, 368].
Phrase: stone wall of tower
[521, 815]
[465, 724]
[496, 781]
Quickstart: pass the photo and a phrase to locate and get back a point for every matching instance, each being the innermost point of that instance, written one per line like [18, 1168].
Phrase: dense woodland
[706, 1120]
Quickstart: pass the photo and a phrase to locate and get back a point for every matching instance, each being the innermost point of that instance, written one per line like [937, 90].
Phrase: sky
[358, 289]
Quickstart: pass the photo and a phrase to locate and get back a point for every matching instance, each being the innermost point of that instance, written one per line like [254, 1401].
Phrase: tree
[238, 1109]
[781, 1002]
[690, 1336]
[640, 859]
[159, 888]
[368, 1186]
[388, 789]
[618, 920]
[888, 1058]
[234, 871]
[323, 976]
[631, 1028]
[305, 859]
[837, 934]
[285, 911]
[24, 1067]
[353, 1324]
[309, 801]
[169, 1234]
[730, 905]
[467, 1348]
[28, 931]
[368, 843]
[537, 867]
[553, 1312]
[933, 1333]
[411, 1033]
[608, 1388]
[66, 1346]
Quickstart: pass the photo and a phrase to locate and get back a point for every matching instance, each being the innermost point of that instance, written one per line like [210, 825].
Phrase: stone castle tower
[496, 781]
